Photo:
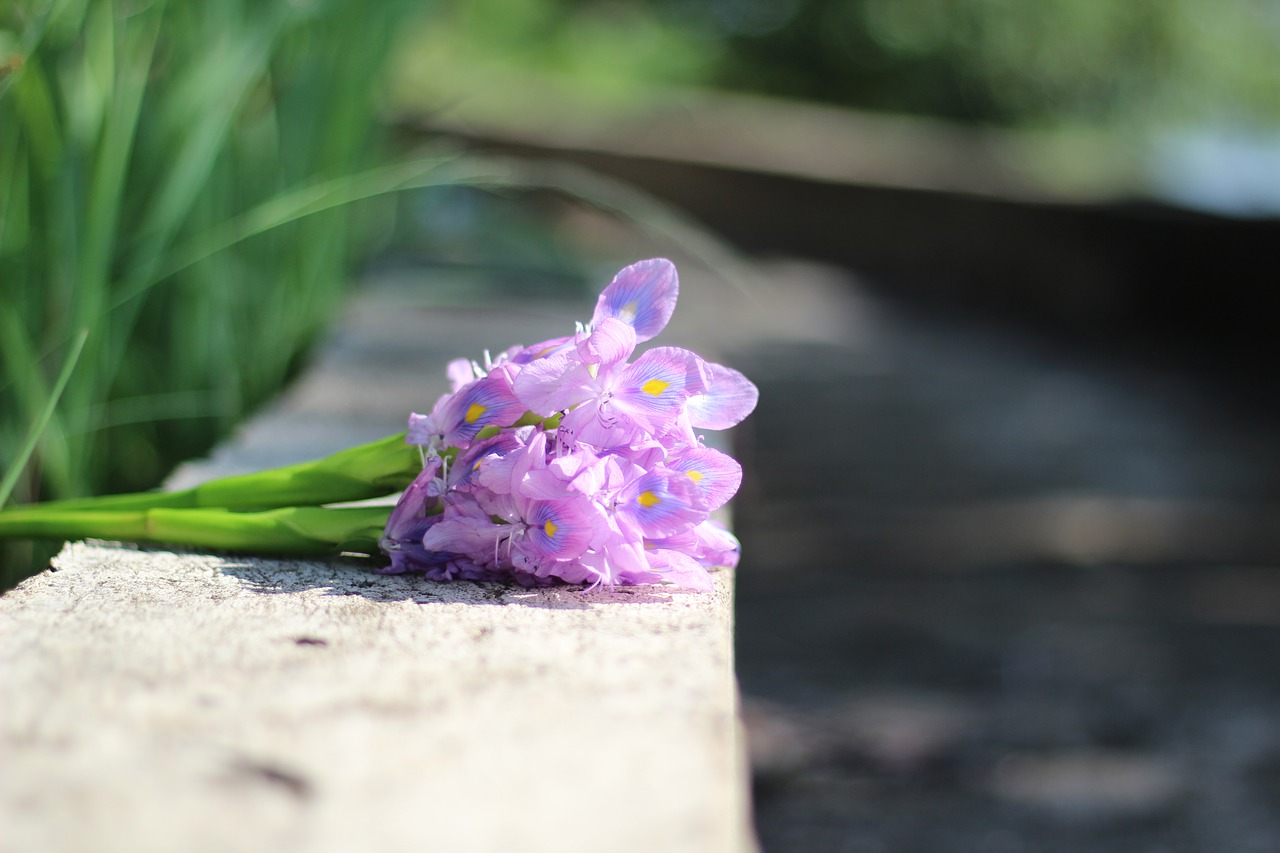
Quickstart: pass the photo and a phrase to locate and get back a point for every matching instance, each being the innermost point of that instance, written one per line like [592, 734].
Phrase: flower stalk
[296, 530]
[372, 470]
[281, 511]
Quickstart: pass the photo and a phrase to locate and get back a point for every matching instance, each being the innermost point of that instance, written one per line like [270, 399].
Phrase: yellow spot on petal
[696, 476]
[648, 499]
[654, 387]
[474, 413]
[550, 528]
[627, 312]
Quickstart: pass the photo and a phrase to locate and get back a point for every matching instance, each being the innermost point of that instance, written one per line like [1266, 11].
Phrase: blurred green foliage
[154, 157]
[1005, 62]
[1019, 61]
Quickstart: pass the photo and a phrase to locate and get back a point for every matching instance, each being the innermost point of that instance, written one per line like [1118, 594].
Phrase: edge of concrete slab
[156, 700]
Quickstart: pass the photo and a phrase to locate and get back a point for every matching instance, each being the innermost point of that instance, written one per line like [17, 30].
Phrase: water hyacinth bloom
[576, 461]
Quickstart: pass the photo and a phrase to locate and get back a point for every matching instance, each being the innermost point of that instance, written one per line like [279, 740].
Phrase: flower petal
[414, 504]
[461, 373]
[607, 343]
[716, 475]
[485, 402]
[729, 399]
[680, 569]
[471, 537]
[538, 351]
[575, 474]
[558, 530]
[653, 390]
[421, 429]
[661, 503]
[643, 295]
[486, 454]
[553, 384]
[601, 425]
[716, 545]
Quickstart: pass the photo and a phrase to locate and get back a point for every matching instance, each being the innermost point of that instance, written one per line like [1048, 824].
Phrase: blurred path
[997, 596]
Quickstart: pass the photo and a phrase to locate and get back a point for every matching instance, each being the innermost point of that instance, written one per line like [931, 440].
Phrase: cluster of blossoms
[567, 462]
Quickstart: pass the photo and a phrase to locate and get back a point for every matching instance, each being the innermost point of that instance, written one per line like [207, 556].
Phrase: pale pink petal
[543, 485]
[421, 429]
[646, 453]
[554, 384]
[533, 457]
[539, 351]
[716, 545]
[601, 425]
[681, 569]
[679, 434]
[493, 472]
[472, 537]
[577, 474]
[488, 454]
[460, 373]
[594, 566]
[729, 399]
[607, 343]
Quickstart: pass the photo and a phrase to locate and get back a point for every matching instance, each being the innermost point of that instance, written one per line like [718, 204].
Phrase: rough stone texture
[162, 701]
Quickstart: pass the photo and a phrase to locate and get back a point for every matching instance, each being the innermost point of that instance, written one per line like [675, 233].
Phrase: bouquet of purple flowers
[567, 461]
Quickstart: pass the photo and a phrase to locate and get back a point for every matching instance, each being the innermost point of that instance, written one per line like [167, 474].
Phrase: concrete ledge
[161, 701]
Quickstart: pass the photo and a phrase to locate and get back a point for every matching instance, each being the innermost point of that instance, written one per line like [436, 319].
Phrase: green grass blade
[37, 429]
[292, 206]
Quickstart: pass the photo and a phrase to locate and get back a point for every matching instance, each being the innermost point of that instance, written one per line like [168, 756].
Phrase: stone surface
[166, 701]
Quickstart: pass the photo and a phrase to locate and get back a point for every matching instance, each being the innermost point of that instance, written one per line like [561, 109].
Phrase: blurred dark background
[1011, 523]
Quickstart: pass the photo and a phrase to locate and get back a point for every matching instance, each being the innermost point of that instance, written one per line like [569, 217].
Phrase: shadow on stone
[353, 576]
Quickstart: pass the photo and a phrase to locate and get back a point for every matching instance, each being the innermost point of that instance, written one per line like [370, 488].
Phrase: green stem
[371, 470]
[302, 531]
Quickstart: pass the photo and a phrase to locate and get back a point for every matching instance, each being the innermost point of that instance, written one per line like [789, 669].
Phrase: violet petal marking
[643, 295]
[653, 390]
[485, 402]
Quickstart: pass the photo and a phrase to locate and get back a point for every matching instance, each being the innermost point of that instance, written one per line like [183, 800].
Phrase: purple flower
[615, 488]
[608, 402]
[417, 510]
